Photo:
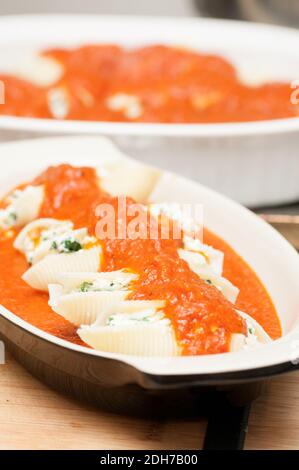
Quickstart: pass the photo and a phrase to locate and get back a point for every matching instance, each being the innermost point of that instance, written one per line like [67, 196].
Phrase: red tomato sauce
[172, 85]
[202, 318]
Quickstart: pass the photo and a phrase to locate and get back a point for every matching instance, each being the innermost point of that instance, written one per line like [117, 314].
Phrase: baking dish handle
[227, 426]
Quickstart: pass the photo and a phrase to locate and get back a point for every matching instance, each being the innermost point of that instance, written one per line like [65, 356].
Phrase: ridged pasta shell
[229, 291]
[40, 70]
[128, 178]
[23, 205]
[71, 281]
[138, 340]
[84, 308]
[194, 261]
[44, 248]
[43, 223]
[48, 270]
[214, 258]
[237, 342]
[240, 342]
[260, 333]
[27, 206]
[132, 306]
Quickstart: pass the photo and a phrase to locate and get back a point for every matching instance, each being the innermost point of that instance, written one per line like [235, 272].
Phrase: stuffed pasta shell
[83, 298]
[21, 207]
[144, 333]
[52, 246]
[117, 293]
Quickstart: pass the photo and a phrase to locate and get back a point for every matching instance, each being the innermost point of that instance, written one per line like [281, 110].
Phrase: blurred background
[282, 12]
[270, 11]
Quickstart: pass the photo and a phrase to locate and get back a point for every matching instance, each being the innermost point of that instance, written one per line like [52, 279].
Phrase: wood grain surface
[34, 417]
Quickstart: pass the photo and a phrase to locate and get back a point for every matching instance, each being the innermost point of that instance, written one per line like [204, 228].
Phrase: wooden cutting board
[34, 417]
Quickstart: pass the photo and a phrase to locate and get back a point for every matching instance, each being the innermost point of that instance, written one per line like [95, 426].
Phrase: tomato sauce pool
[202, 318]
[153, 84]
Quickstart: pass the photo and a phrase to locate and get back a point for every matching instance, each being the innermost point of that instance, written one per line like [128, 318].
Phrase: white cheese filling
[184, 215]
[96, 282]
[212, 258]
[103, 285]
[50, 236]
[143, 316]
[23, 206]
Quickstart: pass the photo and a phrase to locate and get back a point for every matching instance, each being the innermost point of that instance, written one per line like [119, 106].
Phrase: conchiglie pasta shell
[25, 205]
[186, 218]
[129, 178]
[43, 223]
[40, 70]
[193, 259]
[260, 333]
[133, 306]
[195, 263]
[48, 270]
[229, 291]
[28, 204]
[213, 258]
[85, 308]
[237, 342]
[71, 281]
[138, 340]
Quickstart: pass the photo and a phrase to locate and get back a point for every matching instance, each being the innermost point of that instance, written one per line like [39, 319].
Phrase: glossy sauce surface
[202, 318]
[172, 85]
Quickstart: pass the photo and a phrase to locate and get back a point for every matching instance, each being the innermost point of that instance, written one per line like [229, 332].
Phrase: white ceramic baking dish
[267, 252]
[255, 163]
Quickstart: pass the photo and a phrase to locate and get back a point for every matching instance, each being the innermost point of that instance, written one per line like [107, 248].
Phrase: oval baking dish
[212, 152]
[130, 382]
